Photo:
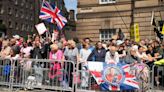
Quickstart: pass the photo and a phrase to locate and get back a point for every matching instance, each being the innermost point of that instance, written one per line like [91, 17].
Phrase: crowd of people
[114, 51]
[126, 51]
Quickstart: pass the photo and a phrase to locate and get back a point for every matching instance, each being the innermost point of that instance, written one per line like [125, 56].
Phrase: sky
[71, 4]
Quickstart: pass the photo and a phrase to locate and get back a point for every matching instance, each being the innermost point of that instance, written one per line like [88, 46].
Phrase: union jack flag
[128, 81]
[52, 14]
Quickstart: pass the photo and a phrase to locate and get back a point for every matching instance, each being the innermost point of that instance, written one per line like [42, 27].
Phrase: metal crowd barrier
[143, 75]
[157, 83]
[43, 74]
[84, 80]
[5, 73]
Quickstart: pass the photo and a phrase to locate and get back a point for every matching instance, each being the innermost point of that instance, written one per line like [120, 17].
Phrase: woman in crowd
[131, 57]
[71, 54]
[121, 51]
[57, 56]
[151, 55]
[141, 53]
[5, 51]
[55, 53]
[13, 53]
[37, 52]
[158, 50]
[84, 54]
[26, 49]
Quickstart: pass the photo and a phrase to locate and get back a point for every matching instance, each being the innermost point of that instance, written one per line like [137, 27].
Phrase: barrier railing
[58, 75]
[5, 73]
[38, 73]
[157, 79]
[85, 81]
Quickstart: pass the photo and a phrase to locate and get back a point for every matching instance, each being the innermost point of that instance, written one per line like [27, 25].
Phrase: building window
[22, 27]
[16, 26]
[31, 17]
[106, 34]
[23, 2]
[32, 29]
[22, 15]
[1, 9]
[16, 2]
[10, 24]
[27, 17]
[10, 11]
[16, 13]
[107, 1]
[31, 6]
[2, 34]
[27, 27]
[1, 21]
[27, 5]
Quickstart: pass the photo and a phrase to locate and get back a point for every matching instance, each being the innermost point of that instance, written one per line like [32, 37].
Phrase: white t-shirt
[110, 59]
[54, 56]
[84, 54]
[26, 50]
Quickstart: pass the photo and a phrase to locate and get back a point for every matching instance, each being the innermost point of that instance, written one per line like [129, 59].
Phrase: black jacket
[37, 53]
[97, 56]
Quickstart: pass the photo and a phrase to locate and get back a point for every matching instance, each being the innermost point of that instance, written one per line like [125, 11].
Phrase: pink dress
[56, 56]
[55, 68]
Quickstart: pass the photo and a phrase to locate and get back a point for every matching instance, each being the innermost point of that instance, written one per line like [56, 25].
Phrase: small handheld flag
[41, 28]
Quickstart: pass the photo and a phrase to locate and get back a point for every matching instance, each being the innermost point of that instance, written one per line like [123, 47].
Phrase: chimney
[72, 15]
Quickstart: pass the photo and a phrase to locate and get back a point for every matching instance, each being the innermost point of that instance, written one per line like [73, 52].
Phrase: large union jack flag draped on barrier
[52, 14]
[113, 77]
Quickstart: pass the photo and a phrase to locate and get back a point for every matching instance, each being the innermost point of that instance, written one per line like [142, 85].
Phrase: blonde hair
[54, 46]
[72, 43]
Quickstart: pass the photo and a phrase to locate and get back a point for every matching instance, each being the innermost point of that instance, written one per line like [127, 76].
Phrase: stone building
[18, 16]
[100, 19]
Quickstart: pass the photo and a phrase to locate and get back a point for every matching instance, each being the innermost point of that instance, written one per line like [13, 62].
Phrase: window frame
[107, 2]
[106, 34]
[10, 10]
[1, 9]
[10, 25]
[16, 26]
